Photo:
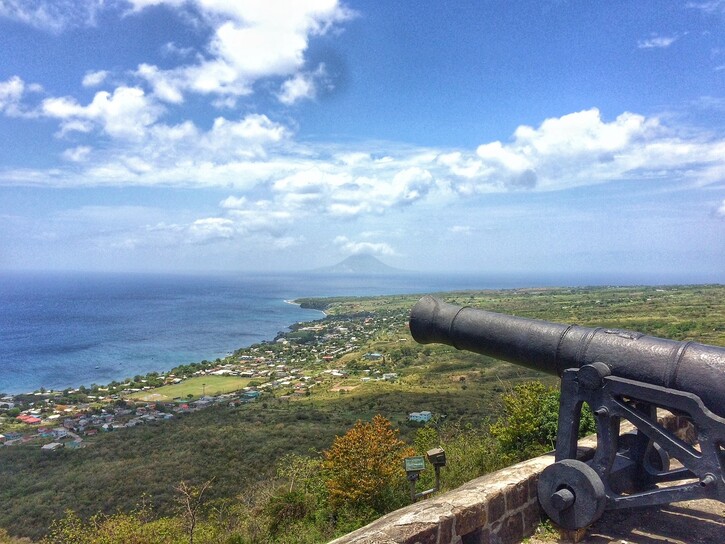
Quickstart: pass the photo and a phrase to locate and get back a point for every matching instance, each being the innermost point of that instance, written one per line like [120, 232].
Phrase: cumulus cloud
[300, 87]
[250, 40]
[211, 229]
[125, 113]
[277, 182]
[94, 79]
[579, 149]
[304, 86]
[363, 248]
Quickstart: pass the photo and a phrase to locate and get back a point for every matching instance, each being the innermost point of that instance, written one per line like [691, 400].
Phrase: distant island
[359, 264]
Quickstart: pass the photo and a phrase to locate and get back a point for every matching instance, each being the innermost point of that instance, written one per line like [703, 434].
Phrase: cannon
[622, 376]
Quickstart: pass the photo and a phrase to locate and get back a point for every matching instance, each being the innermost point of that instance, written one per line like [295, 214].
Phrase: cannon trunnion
[622, 376]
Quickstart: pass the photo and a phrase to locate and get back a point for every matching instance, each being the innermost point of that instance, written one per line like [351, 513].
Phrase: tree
[529, 424]
[364, 467]
[190, 499]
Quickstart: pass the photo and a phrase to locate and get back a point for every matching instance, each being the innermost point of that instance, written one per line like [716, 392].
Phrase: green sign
[414, 464]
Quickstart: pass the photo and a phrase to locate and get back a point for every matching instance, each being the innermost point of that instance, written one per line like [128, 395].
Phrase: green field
[196, 387]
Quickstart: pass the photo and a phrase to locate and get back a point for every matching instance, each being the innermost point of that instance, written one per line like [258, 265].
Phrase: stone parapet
[497, 508]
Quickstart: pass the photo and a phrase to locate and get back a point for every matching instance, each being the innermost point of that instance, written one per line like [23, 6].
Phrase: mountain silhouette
[359, 264]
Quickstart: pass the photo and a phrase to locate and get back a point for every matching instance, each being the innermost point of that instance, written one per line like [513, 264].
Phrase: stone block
[470, 517]
[517, 495]
[496, 506]
[512, 530]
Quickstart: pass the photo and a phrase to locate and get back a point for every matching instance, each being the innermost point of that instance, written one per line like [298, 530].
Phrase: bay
[63, 330]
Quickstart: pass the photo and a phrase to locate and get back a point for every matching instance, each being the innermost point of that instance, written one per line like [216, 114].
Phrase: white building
[423, 416]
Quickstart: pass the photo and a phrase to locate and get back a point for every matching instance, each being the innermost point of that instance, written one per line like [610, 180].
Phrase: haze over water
[61, 330]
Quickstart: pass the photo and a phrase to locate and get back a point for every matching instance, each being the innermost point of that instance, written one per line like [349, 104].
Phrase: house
[421, 417]
[390, 376]
[28, 419]
[52, 446]
[60, 432]
[373, 356]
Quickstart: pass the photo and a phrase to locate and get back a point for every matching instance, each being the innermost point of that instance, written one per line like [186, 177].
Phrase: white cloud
[258, 219]
[461, 229]
[720, 212]
[126, 113]
[53, 16]
[708, 6]
[368, 248]
[94, 79]
[575, 149]
[299, 87]
[278, 182]
[657, 42]
[77, 154]
[287, 242]
[250, 40]
[211, 229]
[164, 86]
[138, 5]
[11, 92]
[232, 202]
[304, 86]
[253, 129]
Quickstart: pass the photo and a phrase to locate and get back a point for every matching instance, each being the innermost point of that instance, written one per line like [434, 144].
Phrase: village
[331, 355]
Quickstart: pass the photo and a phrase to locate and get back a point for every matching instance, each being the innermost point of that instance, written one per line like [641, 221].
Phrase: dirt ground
[689, 522]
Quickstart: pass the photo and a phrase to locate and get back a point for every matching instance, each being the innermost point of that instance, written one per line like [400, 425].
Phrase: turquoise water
[66, 330]
[60, 330]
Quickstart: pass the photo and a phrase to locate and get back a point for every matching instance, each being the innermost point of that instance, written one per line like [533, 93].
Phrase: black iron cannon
[621, 375]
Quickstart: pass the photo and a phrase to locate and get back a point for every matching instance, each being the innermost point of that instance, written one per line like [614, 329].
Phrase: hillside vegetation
[264, 460]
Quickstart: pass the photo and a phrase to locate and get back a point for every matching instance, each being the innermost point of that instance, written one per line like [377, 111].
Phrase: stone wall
[498, 508]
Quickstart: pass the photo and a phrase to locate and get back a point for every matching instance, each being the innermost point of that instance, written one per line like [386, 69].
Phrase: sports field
[196, 387]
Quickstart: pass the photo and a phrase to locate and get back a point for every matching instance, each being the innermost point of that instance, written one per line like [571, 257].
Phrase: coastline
[294, 302]
[67, 363]
[61, 337]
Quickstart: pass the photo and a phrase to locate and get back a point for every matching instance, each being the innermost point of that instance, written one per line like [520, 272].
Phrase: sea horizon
[62, 330]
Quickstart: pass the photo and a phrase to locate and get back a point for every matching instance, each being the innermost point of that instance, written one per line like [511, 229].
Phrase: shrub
[364, 468]
[530, 419]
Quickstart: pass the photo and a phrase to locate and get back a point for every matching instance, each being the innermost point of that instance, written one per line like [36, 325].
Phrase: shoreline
[294, 302]
[77, 387]
[286, 328]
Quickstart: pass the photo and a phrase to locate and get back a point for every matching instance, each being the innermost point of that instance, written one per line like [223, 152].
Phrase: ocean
[63, 330]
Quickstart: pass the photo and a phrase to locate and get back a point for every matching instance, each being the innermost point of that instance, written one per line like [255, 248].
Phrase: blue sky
[483, 136]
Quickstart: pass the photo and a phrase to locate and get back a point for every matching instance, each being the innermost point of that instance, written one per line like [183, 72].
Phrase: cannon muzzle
[552, 348]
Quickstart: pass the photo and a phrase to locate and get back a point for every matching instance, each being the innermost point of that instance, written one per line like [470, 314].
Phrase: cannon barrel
[554, 347]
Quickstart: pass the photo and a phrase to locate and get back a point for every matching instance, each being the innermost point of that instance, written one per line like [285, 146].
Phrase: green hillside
[239, 446]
